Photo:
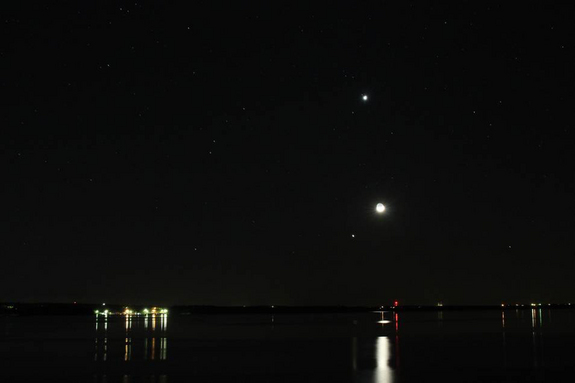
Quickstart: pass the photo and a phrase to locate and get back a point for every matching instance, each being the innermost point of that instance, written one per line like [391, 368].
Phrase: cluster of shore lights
[129, 312]
[532, 304]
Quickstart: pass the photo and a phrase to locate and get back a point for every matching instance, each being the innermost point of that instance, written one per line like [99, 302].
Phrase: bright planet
[380, 208]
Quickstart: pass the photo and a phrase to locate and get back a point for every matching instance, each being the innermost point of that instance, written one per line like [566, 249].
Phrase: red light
[395, 303]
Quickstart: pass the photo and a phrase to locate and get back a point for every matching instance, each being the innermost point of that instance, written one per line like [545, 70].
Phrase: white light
[380, 208]
[382, 371]
[364, 97]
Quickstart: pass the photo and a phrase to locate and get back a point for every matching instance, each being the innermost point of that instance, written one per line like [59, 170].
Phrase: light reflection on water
[367, 347]
[145, 337]
[383, 373]
[373, 360]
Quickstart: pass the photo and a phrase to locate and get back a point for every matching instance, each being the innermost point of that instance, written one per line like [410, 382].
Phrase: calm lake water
[451, 346]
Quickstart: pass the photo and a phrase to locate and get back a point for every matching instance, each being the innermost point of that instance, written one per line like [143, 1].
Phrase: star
[364, 97]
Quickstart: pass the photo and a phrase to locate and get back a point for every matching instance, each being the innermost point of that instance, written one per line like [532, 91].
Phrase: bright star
[380, 208]
[364, 97]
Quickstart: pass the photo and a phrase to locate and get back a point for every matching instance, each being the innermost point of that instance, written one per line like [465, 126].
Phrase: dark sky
[198, 153]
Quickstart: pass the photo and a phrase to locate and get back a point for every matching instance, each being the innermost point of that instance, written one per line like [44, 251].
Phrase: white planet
[364, 97]
[380, 208]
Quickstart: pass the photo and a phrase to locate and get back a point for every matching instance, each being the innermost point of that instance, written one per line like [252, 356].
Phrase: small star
[364, 97]
[353, 236]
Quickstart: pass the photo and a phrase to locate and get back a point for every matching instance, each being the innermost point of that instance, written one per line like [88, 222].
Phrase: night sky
[208, 153]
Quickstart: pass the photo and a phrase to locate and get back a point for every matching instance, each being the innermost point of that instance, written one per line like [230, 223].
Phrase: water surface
[449, 346]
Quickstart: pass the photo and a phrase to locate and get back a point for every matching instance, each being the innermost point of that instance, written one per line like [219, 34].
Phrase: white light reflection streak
[164, 320]
[383, 321]
[383, 372]
[533, 322]
[380, 372]
[105, 337]
[128, 346]
[128, 323]
[96, 341]
[540, 318]
[163, 348]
